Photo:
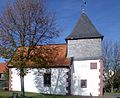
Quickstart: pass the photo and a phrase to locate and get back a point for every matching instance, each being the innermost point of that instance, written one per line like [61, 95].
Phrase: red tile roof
[3, 67]
[54, 54]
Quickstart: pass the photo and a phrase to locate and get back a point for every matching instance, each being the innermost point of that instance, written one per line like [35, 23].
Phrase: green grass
[116, 93]
[4, 94]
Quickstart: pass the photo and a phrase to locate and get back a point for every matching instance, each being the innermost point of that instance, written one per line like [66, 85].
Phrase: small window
[0, 75]
[93, 65]
[47, 79]
[83, 83]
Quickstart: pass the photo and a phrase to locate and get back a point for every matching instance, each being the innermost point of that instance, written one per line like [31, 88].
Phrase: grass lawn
[4, 94]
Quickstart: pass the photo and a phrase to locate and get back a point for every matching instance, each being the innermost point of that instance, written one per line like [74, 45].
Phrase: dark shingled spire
[84, 29]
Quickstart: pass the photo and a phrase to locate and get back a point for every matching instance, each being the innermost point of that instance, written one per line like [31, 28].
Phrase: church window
[83, 83]
[0, 75]
[47, 79]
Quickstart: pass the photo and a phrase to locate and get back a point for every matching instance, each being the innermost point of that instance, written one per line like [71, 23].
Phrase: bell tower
[84, 44]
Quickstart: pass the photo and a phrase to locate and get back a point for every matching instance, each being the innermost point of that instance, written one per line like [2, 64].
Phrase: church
[78, 67]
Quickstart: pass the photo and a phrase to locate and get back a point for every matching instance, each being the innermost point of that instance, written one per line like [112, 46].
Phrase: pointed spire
[83, 6]
[84, 29]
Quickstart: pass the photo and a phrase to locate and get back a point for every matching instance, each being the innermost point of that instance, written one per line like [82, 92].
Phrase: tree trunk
[22, 85]
[118, 88]
[111, 88]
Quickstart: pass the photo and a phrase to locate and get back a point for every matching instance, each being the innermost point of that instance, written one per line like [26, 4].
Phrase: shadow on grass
[50, 96]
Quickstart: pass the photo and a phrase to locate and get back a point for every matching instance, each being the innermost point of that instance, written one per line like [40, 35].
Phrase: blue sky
[105, 15]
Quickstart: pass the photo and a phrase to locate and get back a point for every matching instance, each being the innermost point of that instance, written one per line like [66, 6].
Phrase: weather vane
[83, 6]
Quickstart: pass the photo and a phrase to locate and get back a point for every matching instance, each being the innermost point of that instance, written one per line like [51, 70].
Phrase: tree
[107, 60]
[24, 25]
[117, 80]
[116, 57]
[111, 61]
[116, 64]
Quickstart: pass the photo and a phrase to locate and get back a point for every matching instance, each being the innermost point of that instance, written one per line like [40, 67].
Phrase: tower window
[93, 65]
[83, 83]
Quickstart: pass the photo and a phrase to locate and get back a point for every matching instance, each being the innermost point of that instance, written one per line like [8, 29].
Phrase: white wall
[34, 81]
[82, 70]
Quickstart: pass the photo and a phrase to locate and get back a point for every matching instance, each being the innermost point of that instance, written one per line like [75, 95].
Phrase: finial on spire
[83, 6]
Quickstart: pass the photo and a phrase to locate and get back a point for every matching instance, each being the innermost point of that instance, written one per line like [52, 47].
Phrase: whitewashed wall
[81, 70]
[34, 81]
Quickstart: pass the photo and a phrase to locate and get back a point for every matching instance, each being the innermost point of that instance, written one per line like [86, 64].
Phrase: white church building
[78, 68]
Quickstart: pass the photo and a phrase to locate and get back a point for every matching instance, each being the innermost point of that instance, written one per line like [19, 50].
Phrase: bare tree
[116, 57]
[107, 54]
[111, 61]
[25, 23]
[115, 63]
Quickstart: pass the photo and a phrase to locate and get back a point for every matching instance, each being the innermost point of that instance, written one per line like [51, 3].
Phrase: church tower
[84, 46]
[85, 41]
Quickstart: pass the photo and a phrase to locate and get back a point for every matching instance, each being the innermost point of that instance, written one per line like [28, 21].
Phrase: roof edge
[84, 38]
